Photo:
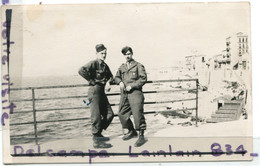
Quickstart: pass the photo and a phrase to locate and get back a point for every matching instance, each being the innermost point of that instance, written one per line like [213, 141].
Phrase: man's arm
[110, 76]
[85, 72]
[118, 77]
[142, 78]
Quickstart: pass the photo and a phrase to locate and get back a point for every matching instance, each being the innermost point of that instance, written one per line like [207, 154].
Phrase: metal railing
[34, 100]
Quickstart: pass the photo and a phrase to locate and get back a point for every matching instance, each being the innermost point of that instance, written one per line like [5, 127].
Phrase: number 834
[216, 150]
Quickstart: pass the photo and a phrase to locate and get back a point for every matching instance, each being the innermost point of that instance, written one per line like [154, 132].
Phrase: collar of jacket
[100, 61]
[133, 63]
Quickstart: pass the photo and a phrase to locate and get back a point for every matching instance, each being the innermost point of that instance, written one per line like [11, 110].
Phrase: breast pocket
[99, 74]
[133, 74]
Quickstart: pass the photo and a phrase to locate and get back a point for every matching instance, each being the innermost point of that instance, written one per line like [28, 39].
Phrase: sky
[58, 40]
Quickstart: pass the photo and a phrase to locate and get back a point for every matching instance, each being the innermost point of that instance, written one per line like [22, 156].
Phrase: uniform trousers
[101, 111]
[132, 104]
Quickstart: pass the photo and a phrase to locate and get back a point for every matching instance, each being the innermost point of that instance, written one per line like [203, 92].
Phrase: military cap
[100, 47]
[125, 49]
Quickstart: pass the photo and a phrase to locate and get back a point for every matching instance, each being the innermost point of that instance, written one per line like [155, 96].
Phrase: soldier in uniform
[97, 73]
[131, 76]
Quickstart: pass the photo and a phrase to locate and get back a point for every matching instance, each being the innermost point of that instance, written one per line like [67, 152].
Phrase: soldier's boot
[100, 137]
[141, 140]
[98, 143]
[131, 134]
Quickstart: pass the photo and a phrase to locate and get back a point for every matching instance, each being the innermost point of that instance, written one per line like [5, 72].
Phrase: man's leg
[107, 113]
[136, 101]
[124, 114]
[96, 122]
[95, 110]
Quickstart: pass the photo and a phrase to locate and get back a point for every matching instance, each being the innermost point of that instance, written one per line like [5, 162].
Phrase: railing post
[197, 92]
[34, 117]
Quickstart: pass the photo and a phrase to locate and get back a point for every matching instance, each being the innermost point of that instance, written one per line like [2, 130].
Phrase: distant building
[190, 65]
[195, 62]
[221, 61]
[215, 62]
[235, 56]
[237, 51]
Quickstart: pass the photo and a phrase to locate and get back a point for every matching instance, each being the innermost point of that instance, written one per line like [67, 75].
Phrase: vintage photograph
[149, 82]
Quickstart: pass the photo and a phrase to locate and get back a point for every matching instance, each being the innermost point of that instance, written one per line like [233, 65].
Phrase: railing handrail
[108, 94]
[85, 85]
[114, 104]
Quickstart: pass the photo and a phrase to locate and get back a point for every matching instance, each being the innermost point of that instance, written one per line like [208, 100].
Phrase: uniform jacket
[96, 72]
[134, 76]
